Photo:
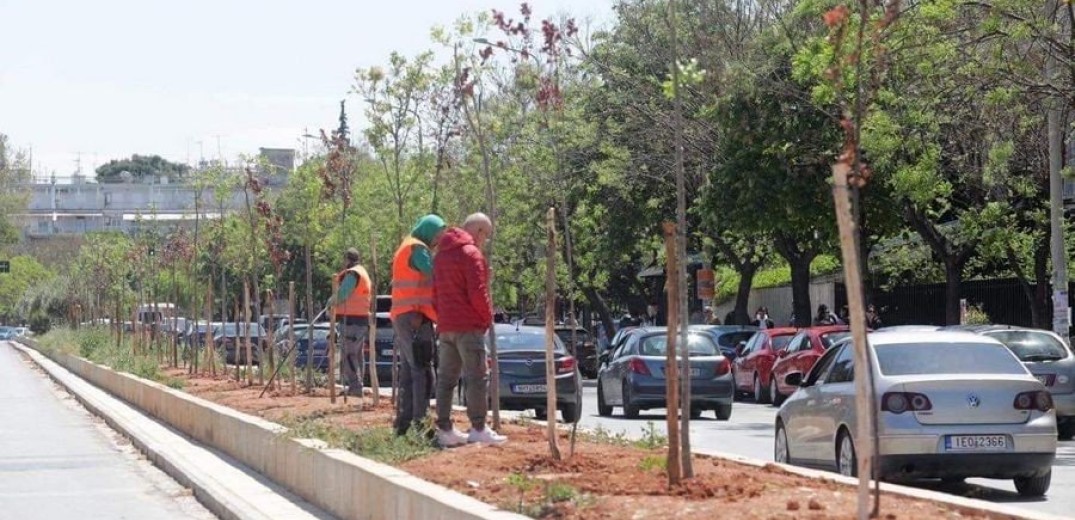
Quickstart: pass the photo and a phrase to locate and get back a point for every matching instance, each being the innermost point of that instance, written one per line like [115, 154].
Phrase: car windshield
[658, 346]
[832, 338]
[1030, 345]
[911, 359]
[732, 339]
[509, 341]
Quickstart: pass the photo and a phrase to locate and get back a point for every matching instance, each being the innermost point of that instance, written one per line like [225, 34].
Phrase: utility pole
[1061, 321]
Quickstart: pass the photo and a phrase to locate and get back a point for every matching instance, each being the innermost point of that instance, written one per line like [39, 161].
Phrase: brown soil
[608, 481]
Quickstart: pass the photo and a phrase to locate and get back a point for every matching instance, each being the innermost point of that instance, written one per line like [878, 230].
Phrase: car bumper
[966, 465]
[714, 391]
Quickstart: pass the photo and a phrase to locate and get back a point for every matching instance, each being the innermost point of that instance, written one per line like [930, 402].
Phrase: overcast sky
[110, 78]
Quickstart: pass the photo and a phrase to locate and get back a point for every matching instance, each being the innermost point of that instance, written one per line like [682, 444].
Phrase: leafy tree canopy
[138, 167]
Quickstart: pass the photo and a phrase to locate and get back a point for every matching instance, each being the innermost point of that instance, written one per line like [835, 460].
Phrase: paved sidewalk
[222, 484]
[59, 461]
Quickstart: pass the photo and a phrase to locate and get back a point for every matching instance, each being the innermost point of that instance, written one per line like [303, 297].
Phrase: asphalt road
[58, 461]
[749, 433]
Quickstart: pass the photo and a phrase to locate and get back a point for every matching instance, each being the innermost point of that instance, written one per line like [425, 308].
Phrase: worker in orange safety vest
[351, 304]
[413, 318]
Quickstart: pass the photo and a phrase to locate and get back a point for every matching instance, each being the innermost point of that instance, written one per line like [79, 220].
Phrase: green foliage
[976, 316]
[139, 166]
[26, 272]
[377, 443]
[775, 276]
[651, 438]
[653, 463]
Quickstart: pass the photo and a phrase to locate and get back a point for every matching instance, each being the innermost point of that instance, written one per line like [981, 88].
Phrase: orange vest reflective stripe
[358, 303]
[411, 289]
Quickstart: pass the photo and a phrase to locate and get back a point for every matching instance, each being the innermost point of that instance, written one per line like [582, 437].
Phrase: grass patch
[656, 463]
[651, 438]
[98, 344]
[377, 443]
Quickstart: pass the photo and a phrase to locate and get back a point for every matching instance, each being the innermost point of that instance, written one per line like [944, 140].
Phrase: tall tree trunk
[1041, 283]
[603, 313]
[799, 258]
[747, 270]
[1024, 284]
[953, 289]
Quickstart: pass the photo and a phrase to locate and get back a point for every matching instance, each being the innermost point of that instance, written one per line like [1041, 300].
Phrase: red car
[800, 354]
[752, 367]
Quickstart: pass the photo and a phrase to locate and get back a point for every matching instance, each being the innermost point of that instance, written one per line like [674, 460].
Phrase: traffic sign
[5, 266]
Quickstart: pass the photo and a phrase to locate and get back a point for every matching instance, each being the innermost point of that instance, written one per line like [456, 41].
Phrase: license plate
[976, 443]
[386, 352]
[529, 389]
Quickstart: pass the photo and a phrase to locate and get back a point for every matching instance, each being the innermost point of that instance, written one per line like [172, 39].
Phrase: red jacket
[461, 285]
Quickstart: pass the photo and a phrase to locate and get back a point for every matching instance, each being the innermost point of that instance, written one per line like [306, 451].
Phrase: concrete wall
[337, 481]
[778, 300]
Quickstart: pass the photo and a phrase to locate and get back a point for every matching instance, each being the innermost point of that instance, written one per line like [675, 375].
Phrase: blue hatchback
[633, 377]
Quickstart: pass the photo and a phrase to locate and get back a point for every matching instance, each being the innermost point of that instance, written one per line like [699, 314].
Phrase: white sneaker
[486, 436]
[451, 438]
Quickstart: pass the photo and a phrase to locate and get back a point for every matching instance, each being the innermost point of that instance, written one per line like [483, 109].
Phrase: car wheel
[603, 409]
[780, 444]
[774, 392]
[630, 411]
[541, 414]
[846, 461]
[1066, 431]
[953, 480]
[724, 412]
[1034, 486]
[696, 412]
[760, 396]
[571, 412]
[737, 394]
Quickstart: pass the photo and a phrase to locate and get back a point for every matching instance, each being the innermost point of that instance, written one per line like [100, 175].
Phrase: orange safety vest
[411, 289]
[358, 303]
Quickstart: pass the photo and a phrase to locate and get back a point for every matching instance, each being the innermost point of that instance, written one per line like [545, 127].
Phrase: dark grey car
[1048, 358]
[521, 353]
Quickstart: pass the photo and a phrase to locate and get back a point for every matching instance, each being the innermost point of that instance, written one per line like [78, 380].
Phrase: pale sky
[110, 78]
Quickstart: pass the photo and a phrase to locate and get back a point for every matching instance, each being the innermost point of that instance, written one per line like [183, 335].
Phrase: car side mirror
[794, 379]
[740, 347]
[782, 353]
[603, 357]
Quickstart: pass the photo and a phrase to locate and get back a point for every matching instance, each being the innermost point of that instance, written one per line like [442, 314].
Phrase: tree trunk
[747, 270]
[800, 290]
[1040, 305]
[953, 289]
[1024, 283]
[603, 313]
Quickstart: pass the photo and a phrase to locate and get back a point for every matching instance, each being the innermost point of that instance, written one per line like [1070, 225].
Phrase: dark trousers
[414, 342]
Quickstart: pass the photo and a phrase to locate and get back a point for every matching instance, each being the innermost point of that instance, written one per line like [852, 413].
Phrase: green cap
[427, 228]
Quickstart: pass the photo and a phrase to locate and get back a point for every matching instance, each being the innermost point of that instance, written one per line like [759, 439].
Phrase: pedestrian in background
[413, 317]
[824, 316]
[465, 313]
[761, 319]
[351, 305]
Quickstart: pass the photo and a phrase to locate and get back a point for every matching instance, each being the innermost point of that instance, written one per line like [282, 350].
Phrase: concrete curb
[337, 481]
[895, 489]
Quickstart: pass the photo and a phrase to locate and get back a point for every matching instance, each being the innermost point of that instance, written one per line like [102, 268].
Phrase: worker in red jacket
[464, 314]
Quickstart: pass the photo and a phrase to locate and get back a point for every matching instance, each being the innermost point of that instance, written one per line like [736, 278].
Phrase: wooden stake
[375, 383]
[864, 394]
[238, 348]
[208, 345]
[331, 345]
[550, 333]
[671, 371]
[291, 334]
[246, 334]
[272, 345]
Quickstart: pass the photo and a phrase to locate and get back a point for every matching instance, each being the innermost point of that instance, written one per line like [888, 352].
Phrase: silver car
[952, 405]
[1049, 359]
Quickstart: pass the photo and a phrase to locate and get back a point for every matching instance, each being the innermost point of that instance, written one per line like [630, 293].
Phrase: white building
[79, 207]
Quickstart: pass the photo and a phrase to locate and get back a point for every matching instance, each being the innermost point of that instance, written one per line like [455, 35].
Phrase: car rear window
[698, 344]
[906, 359]
[506, 342]
[1029, 345]
[832, 338]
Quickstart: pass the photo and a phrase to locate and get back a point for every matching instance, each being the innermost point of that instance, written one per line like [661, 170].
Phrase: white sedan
[951, 405]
